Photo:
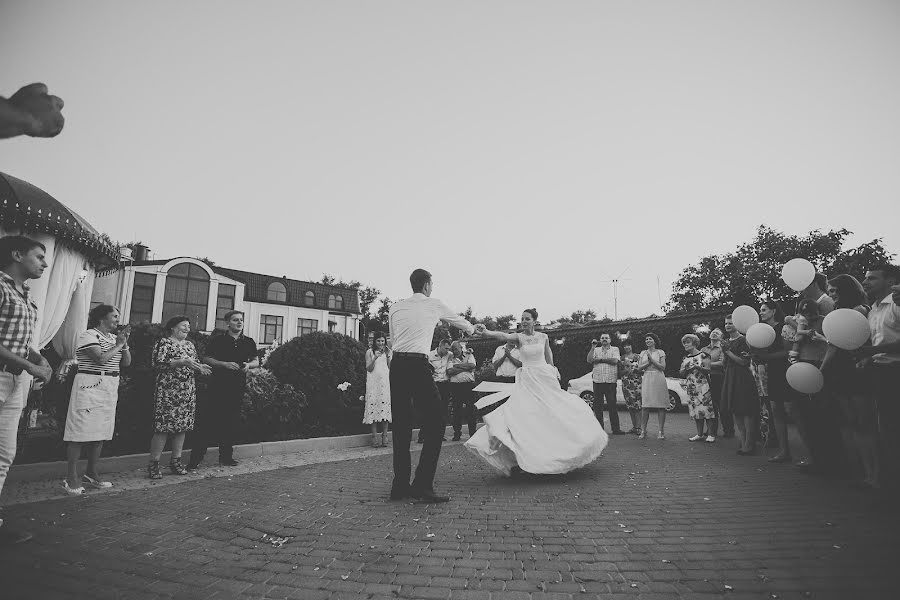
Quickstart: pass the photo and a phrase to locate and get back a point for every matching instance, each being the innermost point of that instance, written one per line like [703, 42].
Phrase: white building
[275, 308]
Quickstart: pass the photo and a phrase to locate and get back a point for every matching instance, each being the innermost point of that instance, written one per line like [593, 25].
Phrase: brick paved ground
[651, 519]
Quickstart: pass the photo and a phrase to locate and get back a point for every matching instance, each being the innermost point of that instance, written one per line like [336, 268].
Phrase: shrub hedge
[316, 364]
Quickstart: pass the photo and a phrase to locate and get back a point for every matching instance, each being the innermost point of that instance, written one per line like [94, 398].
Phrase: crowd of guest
[849, 427]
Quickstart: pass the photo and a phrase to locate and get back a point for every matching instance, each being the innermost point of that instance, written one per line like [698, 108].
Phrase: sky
[526, 153]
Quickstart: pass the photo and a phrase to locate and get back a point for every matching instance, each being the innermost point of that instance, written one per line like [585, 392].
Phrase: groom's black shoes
[427, 496]
[414, 494]
[397, 494]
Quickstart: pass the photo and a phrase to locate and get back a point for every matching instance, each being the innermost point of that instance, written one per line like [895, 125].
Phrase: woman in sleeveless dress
[654, 392]
[541, 429]
[378, 388]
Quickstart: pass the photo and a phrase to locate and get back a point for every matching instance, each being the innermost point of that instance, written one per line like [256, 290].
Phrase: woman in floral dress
[631, 386]
[378, 389]
[175, 394]
[695, 370]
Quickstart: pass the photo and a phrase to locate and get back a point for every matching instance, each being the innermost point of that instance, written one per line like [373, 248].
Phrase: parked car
[584, 388]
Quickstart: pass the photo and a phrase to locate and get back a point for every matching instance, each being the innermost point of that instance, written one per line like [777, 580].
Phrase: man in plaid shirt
[21, 259]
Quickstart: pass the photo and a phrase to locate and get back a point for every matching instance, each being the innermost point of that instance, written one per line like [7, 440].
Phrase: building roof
[257, 284]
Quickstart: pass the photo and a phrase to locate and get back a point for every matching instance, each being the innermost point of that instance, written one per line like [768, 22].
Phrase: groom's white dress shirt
[412, 323]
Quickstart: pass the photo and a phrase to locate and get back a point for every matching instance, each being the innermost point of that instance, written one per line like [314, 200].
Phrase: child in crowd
[796, 328]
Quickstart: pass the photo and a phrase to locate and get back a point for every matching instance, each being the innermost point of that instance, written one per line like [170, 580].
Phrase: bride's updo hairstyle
[532, 312]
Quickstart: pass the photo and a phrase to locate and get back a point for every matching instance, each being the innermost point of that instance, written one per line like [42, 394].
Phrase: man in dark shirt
[219, 414]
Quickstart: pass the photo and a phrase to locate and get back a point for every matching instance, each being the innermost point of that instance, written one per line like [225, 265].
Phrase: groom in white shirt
[412, 323]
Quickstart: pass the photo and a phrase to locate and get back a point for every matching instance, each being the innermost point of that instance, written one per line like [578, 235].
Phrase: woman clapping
[654, 393]
[175, 397]
[101, 351]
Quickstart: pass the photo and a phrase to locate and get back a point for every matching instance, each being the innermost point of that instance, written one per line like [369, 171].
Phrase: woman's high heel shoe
[177, 467]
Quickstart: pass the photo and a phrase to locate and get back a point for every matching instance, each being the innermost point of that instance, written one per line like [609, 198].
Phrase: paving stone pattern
[650, 519]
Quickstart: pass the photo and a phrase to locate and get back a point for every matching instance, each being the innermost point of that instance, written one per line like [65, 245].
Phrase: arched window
[336, 302]
[309, 298]
[187, 293]
[276, 292]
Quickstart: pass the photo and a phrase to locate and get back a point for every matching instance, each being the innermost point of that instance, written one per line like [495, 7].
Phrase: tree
[468, 315]
[504, 322]
[380, 321]
[577, 318]
[753, 269]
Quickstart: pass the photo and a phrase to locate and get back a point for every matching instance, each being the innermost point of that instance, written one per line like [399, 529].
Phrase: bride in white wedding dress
[541, 429]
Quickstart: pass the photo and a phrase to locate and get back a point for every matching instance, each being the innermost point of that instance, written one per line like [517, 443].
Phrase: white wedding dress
[541, 428]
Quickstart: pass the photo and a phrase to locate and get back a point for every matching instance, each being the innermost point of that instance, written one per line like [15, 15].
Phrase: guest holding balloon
[859, 422]
[654, 393]
[631, 385]
[881, 364]
[739, 389]
[814, 408]
[695, 370]
[773, 356]
[816, 291]
[716, 380]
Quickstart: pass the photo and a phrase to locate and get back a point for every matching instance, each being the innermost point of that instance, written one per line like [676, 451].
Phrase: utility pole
[615, 283]
[658, 295]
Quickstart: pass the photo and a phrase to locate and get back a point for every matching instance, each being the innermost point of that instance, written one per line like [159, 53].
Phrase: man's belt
[410, 355]
[99, 372]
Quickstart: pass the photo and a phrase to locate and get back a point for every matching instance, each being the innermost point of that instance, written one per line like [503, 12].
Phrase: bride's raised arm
[482, 331]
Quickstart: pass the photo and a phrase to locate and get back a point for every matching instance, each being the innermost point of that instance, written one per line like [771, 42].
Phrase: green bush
[271, 410]
[316, 364]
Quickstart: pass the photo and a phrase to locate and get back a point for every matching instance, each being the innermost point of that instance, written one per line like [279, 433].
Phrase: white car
[583, 387]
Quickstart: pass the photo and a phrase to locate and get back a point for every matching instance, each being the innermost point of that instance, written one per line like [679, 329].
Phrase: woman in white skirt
[654, 393]
[101, 351]
[378, 388]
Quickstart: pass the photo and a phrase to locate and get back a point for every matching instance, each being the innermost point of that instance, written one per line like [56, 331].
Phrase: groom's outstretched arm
[451, 318]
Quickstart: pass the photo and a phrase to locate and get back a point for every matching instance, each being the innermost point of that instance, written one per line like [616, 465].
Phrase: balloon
[743, 317]
[761, 335]
[798, 273]
[805, 378]
[846, 328]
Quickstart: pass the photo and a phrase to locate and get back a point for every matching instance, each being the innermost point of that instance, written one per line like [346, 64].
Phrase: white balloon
[846, 328]
[798, 273]
[760, 335]
[805, 378]
[744, 317]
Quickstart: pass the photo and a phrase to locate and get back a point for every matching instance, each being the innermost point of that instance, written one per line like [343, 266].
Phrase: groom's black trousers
[413, 387]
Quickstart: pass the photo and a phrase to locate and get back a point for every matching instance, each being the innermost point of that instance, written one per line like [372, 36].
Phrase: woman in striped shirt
[101, 351]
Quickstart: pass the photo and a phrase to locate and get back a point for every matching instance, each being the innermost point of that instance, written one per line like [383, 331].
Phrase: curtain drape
[76, 318]
[65, 271]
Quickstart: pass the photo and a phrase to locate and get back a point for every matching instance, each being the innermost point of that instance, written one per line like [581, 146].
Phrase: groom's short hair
[418, 279]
